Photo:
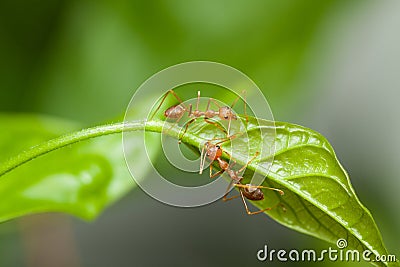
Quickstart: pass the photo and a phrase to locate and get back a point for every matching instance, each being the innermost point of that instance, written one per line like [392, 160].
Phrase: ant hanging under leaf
[213, 151]
[252, 192]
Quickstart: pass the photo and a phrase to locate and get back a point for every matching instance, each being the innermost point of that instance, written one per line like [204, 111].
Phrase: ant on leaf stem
[176, 112]
[251, 192]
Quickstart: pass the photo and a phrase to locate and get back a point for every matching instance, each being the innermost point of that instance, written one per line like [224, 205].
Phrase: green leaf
[80, 179]
[83, 178]
[319, 199]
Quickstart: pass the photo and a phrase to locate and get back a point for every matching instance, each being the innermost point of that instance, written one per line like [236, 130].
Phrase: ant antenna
[247, 164]
[202, 158]
[170, 91]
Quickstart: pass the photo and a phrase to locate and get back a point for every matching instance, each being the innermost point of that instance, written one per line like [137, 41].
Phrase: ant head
[226, 113]
[213, 151]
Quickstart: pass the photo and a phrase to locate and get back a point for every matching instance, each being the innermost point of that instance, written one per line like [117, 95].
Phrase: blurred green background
[332, 66]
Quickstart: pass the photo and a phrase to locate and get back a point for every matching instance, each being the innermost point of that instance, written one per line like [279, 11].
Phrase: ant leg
[223, 140]
[259, 211]
[202, 159]
[248, 186]
[208, 104]
[244, 167]
[244, 203]
[244, 104]
[214, 101]
[213, 175]
[176, 96]
[266, 209]
[186, 127]
[198, 100]
[225, 198]
[247, 208]
[238, 97]
[163, 99]
[235, 101]
[190, 110]
[176, 122]
[187, 124]
[215, 124]
[229, 126]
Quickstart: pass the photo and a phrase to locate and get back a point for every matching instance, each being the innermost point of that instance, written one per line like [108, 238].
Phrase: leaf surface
[84, 177]
[319, 199]
[80, 179]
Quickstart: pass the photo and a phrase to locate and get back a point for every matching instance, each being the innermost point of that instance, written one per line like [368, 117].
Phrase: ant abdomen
[174, 112]
[252, 193]
[208, 114]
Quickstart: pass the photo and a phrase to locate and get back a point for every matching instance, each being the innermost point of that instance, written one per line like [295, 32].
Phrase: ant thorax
[210, 113]
[223, 164]
[198, 113]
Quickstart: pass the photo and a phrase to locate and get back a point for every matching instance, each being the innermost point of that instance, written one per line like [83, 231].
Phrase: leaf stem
[68, 139]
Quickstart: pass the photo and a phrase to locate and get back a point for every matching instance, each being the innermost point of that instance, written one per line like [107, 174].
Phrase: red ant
[252, 192]
[177, 112]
